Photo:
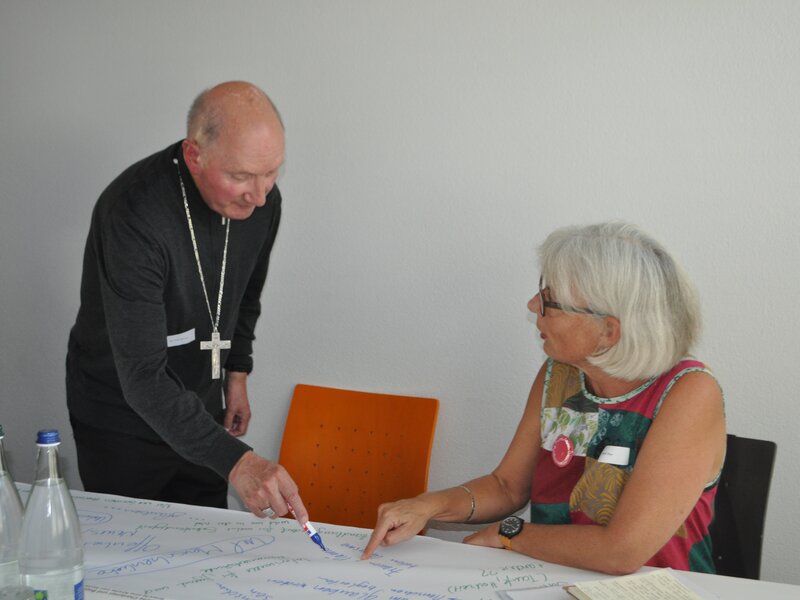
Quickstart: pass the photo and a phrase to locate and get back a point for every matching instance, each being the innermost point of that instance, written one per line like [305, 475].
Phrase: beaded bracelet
[472, 501]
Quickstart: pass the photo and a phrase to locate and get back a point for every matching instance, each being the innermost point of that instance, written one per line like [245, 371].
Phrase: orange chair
[351, 451]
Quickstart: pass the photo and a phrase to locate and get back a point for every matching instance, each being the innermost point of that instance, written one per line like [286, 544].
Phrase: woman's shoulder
[691, 376]
[685, 366]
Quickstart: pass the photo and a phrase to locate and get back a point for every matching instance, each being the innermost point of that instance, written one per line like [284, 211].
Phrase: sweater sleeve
[132, 267]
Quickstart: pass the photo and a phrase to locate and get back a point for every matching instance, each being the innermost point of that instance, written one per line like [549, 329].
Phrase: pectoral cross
[215, 345]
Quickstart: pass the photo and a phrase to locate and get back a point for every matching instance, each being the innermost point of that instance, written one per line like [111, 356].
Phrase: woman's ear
[611, 332]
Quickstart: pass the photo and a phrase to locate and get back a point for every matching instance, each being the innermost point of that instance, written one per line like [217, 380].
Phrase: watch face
[511, 526]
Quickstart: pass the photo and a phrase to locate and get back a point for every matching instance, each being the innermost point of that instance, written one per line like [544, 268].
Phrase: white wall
[431, 147]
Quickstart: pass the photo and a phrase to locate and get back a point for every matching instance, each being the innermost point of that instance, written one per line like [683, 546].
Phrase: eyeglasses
[545, 304]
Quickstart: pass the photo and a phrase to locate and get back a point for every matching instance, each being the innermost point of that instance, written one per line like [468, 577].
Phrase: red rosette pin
[563, 451]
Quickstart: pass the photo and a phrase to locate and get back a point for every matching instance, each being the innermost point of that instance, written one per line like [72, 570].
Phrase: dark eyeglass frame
[544, 304]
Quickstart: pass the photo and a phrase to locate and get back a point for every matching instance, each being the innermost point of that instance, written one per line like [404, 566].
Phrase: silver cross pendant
[215, 345]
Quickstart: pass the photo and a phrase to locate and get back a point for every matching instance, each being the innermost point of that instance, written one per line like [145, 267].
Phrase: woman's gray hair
[616, 269]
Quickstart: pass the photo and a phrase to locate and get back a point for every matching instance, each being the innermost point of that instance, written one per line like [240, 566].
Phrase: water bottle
[10, 523]
[50, 544]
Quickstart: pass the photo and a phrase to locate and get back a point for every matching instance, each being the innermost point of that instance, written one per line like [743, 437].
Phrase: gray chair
[737, 531]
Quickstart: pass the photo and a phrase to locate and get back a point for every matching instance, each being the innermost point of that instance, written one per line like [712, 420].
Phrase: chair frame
[737, 531]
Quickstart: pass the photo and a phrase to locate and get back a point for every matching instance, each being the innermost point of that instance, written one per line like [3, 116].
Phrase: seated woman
[621, 443]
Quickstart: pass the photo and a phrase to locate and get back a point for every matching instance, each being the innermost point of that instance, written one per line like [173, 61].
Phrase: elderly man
[175, 262]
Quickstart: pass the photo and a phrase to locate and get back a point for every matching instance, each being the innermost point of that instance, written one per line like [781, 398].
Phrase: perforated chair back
[737, 531]
[350, 451]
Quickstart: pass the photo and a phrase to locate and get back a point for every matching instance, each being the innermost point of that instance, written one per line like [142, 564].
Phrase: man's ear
[191, 155]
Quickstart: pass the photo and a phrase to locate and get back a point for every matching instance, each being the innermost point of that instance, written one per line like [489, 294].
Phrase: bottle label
[57, 585]
[77, 592]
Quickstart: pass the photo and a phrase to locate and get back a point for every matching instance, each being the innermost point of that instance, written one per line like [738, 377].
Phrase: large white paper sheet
[175, 551]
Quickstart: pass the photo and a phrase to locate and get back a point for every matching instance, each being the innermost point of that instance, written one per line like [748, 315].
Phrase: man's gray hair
[206, 119]
[203, 122]
[616, 269]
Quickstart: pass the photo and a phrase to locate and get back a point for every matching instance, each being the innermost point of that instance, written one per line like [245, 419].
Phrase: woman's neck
[603, 385]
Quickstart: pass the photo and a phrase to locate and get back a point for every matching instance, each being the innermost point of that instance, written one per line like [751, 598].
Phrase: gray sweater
[140, 287]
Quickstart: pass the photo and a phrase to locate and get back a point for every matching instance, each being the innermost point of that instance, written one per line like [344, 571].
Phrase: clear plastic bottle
[10, 522]
[50, 544]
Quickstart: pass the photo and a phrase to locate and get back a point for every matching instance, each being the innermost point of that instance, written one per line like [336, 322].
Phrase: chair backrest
[351, 451]
[737, 530]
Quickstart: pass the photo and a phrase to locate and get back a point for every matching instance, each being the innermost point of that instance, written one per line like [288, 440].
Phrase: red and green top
[596, 442]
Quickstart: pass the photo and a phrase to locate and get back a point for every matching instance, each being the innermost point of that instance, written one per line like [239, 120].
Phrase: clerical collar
[195, 198]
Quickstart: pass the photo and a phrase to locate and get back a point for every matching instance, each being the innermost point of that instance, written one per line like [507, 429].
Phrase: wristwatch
[509, 527]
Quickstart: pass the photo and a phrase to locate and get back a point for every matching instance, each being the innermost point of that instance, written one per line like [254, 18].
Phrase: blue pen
[312, 533]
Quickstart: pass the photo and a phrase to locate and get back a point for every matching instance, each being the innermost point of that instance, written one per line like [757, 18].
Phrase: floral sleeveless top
[604, 438]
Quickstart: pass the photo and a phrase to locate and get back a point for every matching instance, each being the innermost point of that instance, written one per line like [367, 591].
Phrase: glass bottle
[50, 544]
[10, 522]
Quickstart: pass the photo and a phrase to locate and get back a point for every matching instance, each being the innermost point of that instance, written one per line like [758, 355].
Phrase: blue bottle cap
[48, 436]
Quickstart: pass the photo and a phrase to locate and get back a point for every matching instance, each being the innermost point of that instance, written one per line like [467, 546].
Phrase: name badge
[180, 339]
[615, 455]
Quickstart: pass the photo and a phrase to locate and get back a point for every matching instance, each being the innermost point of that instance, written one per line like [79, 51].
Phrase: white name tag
[179, 339]
[615, 455]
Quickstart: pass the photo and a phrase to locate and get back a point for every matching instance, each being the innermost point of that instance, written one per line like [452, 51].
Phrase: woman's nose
[533, 304]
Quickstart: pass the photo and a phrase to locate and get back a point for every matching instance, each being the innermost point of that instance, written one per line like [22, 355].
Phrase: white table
[176, 551]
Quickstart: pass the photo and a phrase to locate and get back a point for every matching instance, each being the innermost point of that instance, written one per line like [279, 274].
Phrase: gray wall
[431, 147]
